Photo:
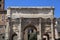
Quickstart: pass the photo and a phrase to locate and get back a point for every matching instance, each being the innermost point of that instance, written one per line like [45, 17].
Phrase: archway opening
[30, 32]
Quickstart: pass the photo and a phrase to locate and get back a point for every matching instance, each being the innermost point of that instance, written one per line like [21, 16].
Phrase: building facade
[2, 20]
[28, 23]
[58, 26]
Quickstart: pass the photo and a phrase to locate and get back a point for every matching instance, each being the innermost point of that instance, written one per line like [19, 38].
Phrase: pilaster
[52, 29]
[40, 35]
[7, 31]
[19, 29]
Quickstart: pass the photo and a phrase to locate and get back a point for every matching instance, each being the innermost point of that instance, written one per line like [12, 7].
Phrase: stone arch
[30, 25]
[14, 35]
[30, 29]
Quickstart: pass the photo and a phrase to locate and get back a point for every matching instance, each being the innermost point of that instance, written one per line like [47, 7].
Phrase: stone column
[39, 36]
[7, 31]
[56, 33]
[19, 30]
[26, 35]
[52, 30]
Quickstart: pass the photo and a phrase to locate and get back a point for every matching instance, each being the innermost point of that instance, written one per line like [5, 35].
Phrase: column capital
[51, 18]
[19, 20]
[40, 20]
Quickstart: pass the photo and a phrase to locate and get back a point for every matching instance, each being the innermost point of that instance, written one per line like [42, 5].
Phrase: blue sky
[55, 3]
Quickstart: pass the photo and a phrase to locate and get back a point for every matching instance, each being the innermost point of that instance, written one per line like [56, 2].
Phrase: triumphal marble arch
[30, 23]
